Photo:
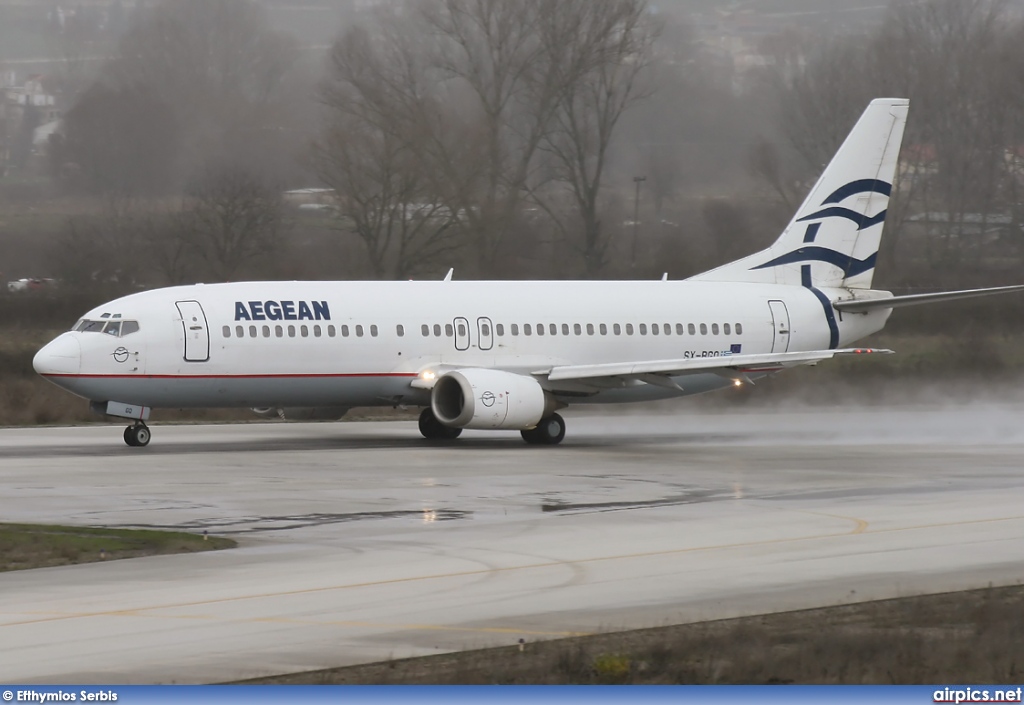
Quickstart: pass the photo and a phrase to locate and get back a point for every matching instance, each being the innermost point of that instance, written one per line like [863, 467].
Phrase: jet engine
[302, 413]
[489, 399]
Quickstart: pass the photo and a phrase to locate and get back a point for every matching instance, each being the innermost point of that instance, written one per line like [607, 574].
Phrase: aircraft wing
[660, 372]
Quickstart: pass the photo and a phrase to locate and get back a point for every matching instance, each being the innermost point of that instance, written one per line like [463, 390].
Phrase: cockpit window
[91, 326]
[117, 329]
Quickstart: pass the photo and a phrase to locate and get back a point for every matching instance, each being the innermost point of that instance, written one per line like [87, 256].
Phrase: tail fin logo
[854, 188]
[850, 265]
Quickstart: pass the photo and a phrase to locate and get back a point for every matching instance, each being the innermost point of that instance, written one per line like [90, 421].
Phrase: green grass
[25, 546]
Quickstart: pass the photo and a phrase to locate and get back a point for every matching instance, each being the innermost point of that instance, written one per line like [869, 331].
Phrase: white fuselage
[343, 344]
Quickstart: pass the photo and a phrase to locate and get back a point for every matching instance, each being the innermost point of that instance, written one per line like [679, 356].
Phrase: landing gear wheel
[434, 430]
[549, 431]
[137, 436]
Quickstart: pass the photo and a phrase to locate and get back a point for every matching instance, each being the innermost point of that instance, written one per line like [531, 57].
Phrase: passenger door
[780, 319]
[197, 334]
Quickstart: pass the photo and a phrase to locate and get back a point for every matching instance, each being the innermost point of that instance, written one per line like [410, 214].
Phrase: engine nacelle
[488, 399]
[302, 413]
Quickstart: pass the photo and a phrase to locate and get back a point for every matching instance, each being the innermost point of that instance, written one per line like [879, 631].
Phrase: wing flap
[731, 365]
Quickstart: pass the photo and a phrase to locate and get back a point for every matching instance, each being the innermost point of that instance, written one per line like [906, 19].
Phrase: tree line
[502, 135]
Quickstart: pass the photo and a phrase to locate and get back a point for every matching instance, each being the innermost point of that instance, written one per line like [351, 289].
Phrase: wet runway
[362, 542]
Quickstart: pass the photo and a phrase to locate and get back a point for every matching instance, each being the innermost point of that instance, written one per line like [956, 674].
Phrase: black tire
[549, 431]
[138, 436]
[434, 430]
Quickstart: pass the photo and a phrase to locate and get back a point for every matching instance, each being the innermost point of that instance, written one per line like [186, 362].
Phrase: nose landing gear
[137, 435]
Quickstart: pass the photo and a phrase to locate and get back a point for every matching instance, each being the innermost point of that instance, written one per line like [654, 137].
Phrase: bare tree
[491, 57]
[378, 97]
[231, 217]
[602, 47]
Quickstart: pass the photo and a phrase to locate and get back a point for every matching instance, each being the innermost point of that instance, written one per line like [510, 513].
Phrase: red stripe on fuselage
[263, 376]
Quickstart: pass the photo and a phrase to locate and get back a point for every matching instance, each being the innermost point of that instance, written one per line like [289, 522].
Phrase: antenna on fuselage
[664, 277]
[448, 276]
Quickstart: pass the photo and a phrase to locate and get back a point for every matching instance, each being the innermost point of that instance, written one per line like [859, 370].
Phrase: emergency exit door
[197, 334]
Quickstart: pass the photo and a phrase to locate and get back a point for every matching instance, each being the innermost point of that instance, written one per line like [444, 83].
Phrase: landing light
[737, 383]
[427, 376]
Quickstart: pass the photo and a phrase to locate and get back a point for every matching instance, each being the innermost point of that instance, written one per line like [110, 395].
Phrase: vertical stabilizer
[834, 237]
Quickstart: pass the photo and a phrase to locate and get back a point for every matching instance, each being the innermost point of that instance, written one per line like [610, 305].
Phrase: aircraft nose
[62, 355]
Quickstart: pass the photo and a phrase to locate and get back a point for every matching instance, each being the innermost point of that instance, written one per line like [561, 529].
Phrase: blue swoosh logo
[855, 187]
[851, 266]
[863, 221]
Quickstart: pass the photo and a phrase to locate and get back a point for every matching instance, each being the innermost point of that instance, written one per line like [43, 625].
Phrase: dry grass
[25, 546]
[963, 637]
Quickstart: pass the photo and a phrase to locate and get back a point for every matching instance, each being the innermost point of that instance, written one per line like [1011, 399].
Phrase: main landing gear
[548, 432]
[434, 430]
[137, 435]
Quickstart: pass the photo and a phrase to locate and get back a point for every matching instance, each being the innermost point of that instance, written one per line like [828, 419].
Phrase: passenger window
[425, 330]
[227, 331]
[252, 331]
[739, 329]
[668, 329]
[679, 328]
[590, 329]
[331, 331]
[727, 329]
[449, 330]
[304, 331]
[629, 329]
[553, 329]
[316, 331]
[514, 328]
[565, 329]
[239, 332]
[373, 330]
[344, 332]
[540, 329]
[485, 329]
[691, 329]
[266, 331]
[291, 331]
[527, 329]
[437, 330]
[643, 329]
[462, 330]
[576, 329]
[617, 329]
[499, 329]
[654, 329]
[703, 328]
[604, 329]
[400, 330]
[359, 331]
[714, 329]
[279, 331]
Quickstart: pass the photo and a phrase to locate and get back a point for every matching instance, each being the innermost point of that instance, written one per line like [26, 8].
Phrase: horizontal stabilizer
[873, 304]
[727, 364]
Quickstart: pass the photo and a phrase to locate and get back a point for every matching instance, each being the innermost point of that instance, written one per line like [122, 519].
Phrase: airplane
[506, 354]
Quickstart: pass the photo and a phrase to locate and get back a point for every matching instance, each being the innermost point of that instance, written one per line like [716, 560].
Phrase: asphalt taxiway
[361, 541]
